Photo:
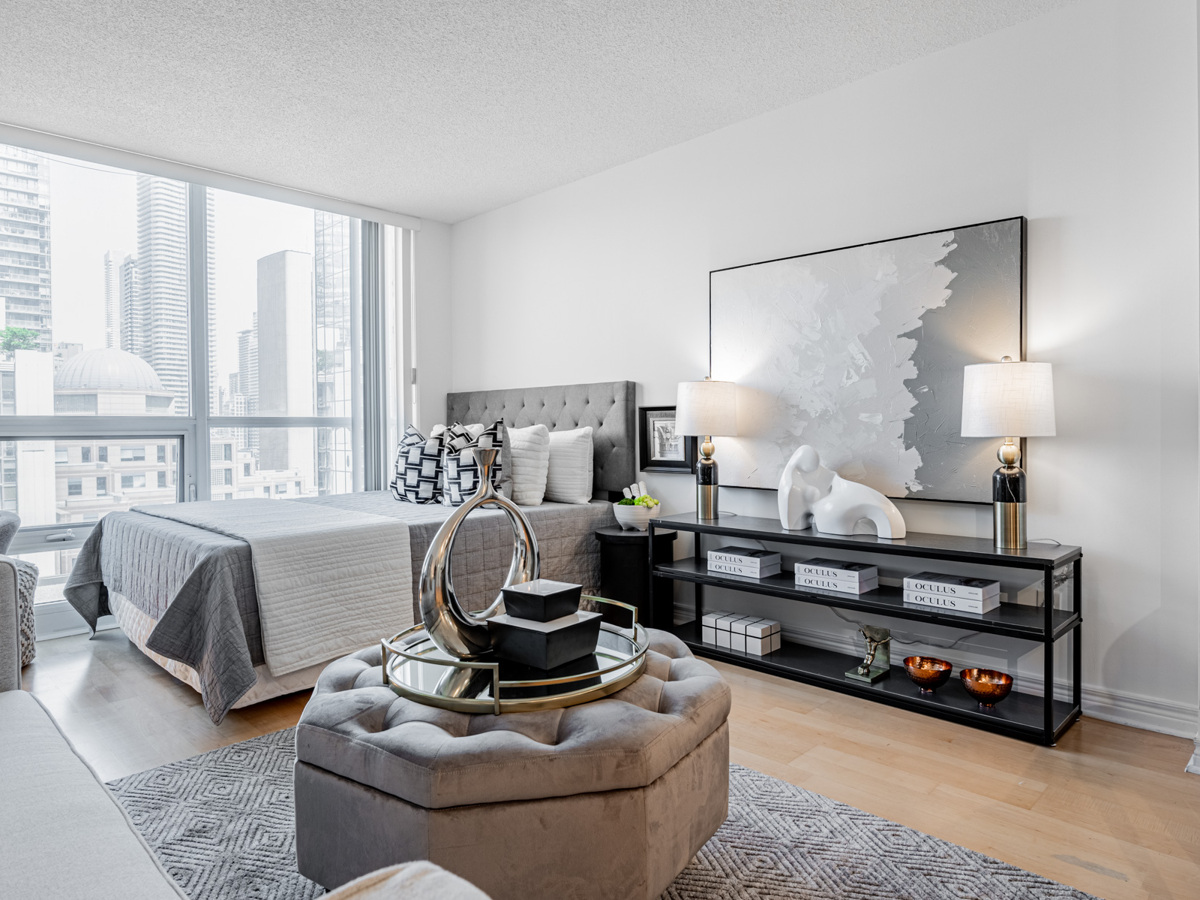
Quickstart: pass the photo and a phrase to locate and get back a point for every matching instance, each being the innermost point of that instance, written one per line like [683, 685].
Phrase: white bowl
[634, 518]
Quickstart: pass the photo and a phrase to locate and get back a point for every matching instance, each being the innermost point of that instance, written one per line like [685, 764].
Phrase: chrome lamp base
[1008, 523]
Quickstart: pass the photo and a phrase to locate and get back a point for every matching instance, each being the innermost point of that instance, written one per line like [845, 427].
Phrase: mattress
[198, 585]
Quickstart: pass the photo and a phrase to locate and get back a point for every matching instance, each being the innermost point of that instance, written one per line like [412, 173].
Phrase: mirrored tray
[417, 669]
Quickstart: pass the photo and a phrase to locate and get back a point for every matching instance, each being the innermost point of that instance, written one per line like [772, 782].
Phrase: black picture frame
[647, 462]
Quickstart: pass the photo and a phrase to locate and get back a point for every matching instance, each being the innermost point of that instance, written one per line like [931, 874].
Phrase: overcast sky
[93, 209]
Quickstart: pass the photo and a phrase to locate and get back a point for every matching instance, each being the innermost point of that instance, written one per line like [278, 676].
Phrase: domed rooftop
[107, 370]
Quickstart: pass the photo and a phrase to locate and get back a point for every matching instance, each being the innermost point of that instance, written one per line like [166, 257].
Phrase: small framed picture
[660, 448]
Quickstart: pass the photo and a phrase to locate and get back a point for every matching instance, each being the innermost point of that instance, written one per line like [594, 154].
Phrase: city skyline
[95, 212]
[96, 260]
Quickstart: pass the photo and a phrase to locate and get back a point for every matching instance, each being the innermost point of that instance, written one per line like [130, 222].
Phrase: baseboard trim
[1149, 713]
[1119, 707]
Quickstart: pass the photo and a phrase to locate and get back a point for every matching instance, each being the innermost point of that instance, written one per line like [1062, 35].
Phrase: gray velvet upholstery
[608, 406]
[9, 523]
[436, 758]
[628, 844]
[607, 799]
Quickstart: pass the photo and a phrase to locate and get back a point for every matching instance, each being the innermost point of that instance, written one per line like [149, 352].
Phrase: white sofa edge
[407, 881]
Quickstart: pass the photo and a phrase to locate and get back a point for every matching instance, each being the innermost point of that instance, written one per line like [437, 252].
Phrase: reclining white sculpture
[849, 502]
[810, 494]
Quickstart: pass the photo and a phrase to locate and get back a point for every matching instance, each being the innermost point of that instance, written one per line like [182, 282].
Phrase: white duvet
[329, 581]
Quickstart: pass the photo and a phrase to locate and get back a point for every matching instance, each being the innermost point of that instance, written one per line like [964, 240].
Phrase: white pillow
[408, 881]
[529, 454]
[569, 479]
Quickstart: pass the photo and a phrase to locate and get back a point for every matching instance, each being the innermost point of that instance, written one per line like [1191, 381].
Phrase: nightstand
[625, 571]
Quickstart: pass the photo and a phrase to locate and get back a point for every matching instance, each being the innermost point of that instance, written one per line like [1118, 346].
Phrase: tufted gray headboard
[607, 406]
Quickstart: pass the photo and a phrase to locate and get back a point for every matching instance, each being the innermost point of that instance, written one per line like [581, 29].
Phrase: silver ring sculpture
[460, 633]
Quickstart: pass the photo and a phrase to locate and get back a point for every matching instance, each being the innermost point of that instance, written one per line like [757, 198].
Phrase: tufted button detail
[608, 407]
[359, 729]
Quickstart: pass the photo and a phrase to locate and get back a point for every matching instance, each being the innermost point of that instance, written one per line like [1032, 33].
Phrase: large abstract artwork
[860, 352]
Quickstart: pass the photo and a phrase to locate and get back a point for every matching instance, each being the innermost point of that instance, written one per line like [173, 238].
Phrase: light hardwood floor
[1109, 810]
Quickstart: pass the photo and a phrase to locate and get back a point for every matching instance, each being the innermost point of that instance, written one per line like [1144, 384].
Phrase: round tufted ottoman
[609, 799]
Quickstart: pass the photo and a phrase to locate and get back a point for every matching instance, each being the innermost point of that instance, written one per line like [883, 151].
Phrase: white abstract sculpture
[848, 502]
[804, 481]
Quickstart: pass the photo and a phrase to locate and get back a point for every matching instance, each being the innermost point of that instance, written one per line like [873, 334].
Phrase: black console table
[1042, 719]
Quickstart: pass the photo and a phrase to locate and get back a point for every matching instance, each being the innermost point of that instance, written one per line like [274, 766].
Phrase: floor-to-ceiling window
[164, 341]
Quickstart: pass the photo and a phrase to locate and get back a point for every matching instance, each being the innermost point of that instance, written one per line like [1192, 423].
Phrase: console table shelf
[1021, 715]
[1009, 619]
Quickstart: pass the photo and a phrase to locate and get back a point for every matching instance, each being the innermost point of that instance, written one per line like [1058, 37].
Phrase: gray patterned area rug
[222, 825]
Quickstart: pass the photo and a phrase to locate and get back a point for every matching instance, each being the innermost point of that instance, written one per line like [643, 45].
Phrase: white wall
[1085, 121]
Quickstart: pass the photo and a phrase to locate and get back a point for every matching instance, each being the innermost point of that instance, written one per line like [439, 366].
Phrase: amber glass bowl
[987, 686]
[927, 673]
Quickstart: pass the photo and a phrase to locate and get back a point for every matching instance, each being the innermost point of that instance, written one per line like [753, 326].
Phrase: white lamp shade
[706, 408]
[1008, 399]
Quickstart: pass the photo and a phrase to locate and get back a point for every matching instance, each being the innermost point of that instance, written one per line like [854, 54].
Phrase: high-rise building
[129, 287]
[112, 299]
[163, 291]
[162, 264]
[25, 243]
[285, 386]
[246, 396]
[333, 290]
[247, 373]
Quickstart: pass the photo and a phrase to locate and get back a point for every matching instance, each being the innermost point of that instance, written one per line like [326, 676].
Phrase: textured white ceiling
[438, 108]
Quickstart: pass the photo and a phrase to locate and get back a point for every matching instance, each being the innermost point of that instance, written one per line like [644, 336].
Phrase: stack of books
[744, 561]
[832, 575]
[972, 595]
[745, 634]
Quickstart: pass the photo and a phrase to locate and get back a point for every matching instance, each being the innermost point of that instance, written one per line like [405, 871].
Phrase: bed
[185, 592]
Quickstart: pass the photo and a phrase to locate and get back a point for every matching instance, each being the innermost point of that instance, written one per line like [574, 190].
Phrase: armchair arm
[10, 628]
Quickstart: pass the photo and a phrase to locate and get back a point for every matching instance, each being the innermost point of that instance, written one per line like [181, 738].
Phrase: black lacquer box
[542, 600]
[545, 645]
[510, 671]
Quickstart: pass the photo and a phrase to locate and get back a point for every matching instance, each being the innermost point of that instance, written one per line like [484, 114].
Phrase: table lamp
[706, 409]
[1009, 400]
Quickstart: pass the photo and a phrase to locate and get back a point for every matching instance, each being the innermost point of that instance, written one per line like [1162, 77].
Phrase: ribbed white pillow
[570, 477]
[529, 455]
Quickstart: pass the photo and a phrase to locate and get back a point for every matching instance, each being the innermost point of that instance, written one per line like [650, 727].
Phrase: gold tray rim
[393, 656]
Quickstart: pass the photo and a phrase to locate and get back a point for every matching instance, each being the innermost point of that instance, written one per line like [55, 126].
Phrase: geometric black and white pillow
[417, 471]
[460, 472]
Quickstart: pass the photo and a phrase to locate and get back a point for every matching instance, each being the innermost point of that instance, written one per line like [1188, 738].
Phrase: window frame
[68, 429]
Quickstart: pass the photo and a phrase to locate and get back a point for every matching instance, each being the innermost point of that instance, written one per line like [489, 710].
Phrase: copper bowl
[927, 673]
[987, 686]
